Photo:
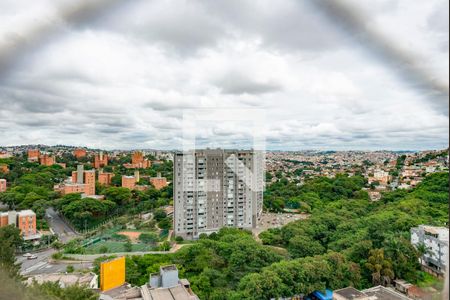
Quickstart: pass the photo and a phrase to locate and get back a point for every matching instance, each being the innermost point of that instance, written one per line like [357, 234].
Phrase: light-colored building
[2, 185]
[215, 189]
[88, 280]
[380, 176]
[435, 240]
[167, 285]
[375, 293]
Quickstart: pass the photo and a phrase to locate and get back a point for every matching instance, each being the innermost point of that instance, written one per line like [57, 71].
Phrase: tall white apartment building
[217, 188]
[435, 240]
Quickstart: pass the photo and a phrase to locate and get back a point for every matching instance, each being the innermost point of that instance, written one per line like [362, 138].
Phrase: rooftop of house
[383, 293]
[350, 293]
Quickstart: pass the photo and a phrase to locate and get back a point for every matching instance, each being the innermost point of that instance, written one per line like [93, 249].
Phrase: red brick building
[138, 161]
[33, 155]
[47, 160]
[105, 178]
[159, 182]
[87, 179]
[2, 185]
[25, 220]
[79, 153]
[129, 182]
[100, 160]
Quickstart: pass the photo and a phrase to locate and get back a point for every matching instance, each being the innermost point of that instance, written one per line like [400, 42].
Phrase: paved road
[64, 232]
[92, 257]
[30, 264]
[43, 264]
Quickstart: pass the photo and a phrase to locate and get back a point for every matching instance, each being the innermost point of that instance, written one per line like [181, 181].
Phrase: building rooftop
[65, 279]
[350, 293]
[27, 212]
[123, 292]
[169, 268]
[383, 293]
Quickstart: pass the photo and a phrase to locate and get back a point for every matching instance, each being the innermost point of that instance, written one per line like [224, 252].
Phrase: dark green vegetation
[11, 286]
[342, 244]
[366, 233]
[316, 193]
[31, 187]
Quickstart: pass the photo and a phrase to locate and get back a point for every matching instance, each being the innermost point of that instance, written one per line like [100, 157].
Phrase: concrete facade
[436, 241]
[213, 189]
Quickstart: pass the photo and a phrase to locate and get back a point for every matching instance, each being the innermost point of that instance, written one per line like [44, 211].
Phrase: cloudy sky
[350, 74]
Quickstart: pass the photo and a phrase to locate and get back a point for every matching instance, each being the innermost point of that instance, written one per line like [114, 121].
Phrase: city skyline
[128, 74]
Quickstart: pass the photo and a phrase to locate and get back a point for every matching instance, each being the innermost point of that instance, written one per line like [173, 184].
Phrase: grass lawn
[427, 280]
[115, 247]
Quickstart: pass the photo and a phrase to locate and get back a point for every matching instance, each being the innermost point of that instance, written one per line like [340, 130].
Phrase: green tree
[128, 247]
[380, 267]
[10, 240]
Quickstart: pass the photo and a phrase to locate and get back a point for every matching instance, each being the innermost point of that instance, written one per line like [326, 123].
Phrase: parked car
[32, 257]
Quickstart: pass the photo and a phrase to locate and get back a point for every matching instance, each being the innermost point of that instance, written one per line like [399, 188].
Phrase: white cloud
[122, 80]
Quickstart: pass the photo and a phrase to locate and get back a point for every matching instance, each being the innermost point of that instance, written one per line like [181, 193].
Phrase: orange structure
[100, 160]
[105, 178]
[4, 168]
[112, 273]
[128, 182]
[79, 153]
[25, 220]
[159, 182]
[138, 161]
[72, 188]
[47, 160]
[2, 185]
[89, 180]
[81, 180]
[3, 219]
[33, 155]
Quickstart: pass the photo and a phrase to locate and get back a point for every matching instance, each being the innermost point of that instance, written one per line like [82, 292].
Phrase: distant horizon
[240, 148]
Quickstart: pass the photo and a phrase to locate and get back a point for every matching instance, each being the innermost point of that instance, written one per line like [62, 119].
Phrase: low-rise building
[435, 239]
[375, 293]
[159, 182]
[167, 285]
[2, 185]
[89, 280]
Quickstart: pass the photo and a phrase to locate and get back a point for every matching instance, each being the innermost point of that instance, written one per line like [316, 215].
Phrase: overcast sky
[122, 75]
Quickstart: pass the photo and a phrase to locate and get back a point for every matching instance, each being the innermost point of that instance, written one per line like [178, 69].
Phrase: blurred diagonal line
[406, 63]
[77, 13]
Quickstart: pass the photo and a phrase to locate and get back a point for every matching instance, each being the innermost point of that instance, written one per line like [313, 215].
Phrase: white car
[27, 255]
[32, 257]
